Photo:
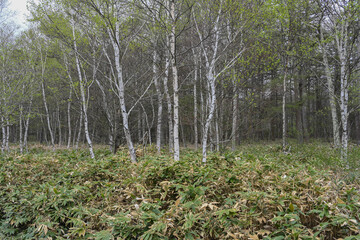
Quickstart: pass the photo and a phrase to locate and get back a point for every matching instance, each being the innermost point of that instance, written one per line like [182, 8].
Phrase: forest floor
[256, 192]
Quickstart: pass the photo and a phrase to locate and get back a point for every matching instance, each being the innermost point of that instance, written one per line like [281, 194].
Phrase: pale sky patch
[21, 13]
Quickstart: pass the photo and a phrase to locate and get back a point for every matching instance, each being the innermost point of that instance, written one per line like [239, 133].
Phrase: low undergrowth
[255, 193]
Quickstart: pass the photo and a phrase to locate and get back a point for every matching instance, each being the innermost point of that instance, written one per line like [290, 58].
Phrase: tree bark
[59, 123]
[47, 116]
[3, 135]
[140, 134]
[344, 91]
[159, 97]
[27, 124]
[331, 89]
[210, 116]
[80, 128]
[196, 140]
[217, 131]
[168, 100]
[175, 81]
[7, 134]
[121, 91]
[21, 129]
[284, 107]
[235, 115]
[69, 118]
[298, 100]
[83, 97]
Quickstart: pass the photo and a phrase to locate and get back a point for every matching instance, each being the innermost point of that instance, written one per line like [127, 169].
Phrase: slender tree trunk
[175, 81]
[202, 108]
[305, 121]
[149, 126]
[298, 99]
[284, 107]
[21, 130]
[196, 140]
[344, 99]
[212, 97]
[59, 123]
[85, 117]
[108, 115]
[211, 80]
[27, 124]
[69, 102]
[182, 133]
[143, 129]
[69, 117]
[168, 101]
[3, 135]
[83, 97]
[217, 131]
[160, 104]
[140, 134]
[235, 115]
[121, 91]
[331, 90]
[112, 140]
[43, 65]
[221, 115]
[7, 134]
[47, 116]
[341, 39]
[80, 128]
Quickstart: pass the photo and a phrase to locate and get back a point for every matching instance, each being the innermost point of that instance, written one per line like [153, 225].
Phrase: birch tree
[331, 89]
[340, 23]
[113, 18]
[11, 82]
[212, 54]
[167, 97]
[82, 83]
[172, 45]
[159, 98]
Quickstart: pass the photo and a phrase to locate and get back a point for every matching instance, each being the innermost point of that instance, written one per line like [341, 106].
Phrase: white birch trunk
[43, 66]
[80, 128]
[160, 103]
[210, 77]
[69, 102]
[83, 97]
[69, 118]
[121, 92]
[195, 107]
[341, 42]
[109, 118]
[331, 89]
[202, 108]
[211, 81]
[168, 101]
[217, 131]
[27, 123]
[47, 115]
[344, 99]
[21, 130]
[59, 124]
[175, 81]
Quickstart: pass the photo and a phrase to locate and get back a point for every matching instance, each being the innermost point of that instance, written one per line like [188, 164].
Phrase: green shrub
[254, 193]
